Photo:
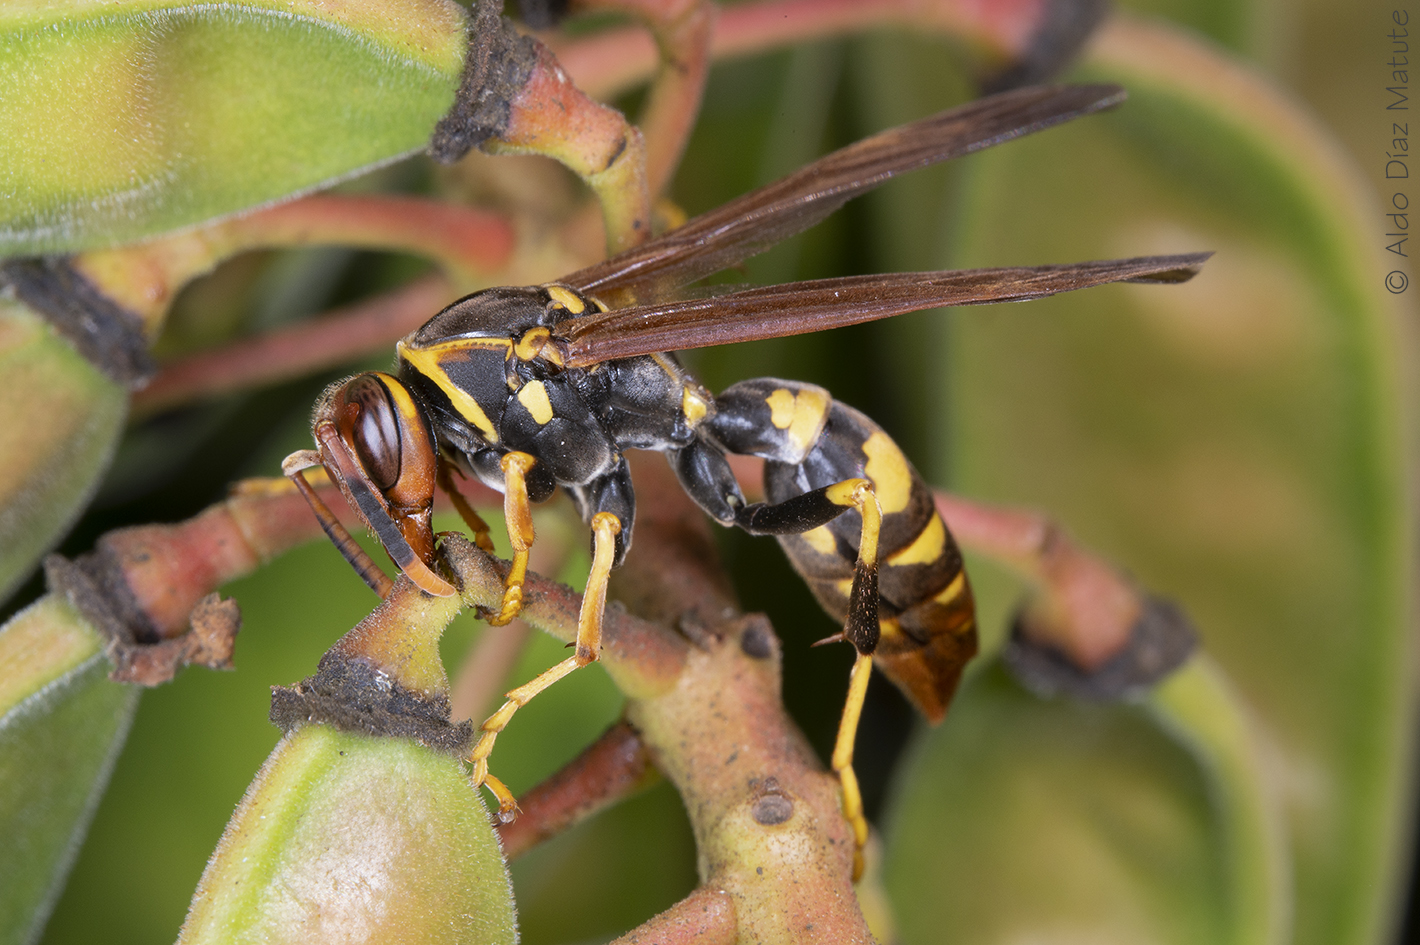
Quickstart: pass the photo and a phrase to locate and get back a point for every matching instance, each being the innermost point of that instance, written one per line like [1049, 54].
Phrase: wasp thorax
[368, 422]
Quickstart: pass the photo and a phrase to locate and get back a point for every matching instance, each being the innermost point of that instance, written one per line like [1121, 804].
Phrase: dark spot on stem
[620, 149]
[757, 641]
[773, 809]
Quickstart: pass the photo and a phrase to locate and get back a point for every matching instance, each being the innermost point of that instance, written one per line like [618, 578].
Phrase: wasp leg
[861, 629]
[518, 512]
[508, 809]
[481, 533]
[294, 467]
[861, 625]
[842, 762]
[605, 527]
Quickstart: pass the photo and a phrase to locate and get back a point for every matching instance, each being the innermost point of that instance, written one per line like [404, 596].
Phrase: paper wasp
[533, 388]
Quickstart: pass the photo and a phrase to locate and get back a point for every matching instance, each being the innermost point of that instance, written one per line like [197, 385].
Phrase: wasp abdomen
[926, 613]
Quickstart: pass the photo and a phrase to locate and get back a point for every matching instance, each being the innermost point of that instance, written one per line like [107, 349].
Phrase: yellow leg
[843, 757]
[860, 495]
[861, 629]
[508, 809]
[605, 527]
[481, 533]
[518, 513]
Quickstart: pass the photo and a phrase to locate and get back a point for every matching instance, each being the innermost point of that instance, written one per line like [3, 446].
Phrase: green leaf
[352, 837]
[62, 723]
[122, 120]
[1052, 820]
[63, 419]
[1237, 443]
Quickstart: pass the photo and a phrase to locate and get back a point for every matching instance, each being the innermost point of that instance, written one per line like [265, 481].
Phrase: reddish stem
[551, 116]
[326, 342]
[145, 277]
[611, 769]
[682, 31]
[169, 568]
[1086, 608]
[705, 917]
[612, 62]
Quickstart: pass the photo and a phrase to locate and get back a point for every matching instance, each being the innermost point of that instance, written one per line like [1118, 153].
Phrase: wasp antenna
[299, 460]
[364, 566]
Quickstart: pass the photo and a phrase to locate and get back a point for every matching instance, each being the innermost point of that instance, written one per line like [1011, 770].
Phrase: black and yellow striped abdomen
[926, 613]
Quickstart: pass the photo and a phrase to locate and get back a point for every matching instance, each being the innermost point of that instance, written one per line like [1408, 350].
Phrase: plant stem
[615, 61]
[611, 769]
[145, 277]
[333, 339]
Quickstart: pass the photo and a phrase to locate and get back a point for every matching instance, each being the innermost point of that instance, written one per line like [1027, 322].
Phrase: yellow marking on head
[821, 540]
[533, 396]
[693, 405]
[952, 591]
[566, 298]
[887, 467]
[801, 416]
[925, 548]
[403, 403]
[426, 362]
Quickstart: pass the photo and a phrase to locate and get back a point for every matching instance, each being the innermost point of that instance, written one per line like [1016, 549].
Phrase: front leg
[517, 511]
[611, 504]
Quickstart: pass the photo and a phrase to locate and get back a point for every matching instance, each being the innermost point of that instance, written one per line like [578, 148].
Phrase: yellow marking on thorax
[693, 406]
[821, 540]
[952, 591]
[801, 416]
[535, 343]
[925, 548]
[533, 396]
[426, 362]
[565, 297]
[887, 467]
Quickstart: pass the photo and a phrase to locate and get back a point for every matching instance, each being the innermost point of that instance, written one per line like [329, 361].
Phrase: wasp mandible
[539, 387]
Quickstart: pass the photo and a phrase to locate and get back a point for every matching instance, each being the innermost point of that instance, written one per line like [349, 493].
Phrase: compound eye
[374, 431]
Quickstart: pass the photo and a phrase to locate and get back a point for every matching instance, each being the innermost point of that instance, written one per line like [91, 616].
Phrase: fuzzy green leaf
[348, 837]
[63, 419]
[62, 723]
[122, 120]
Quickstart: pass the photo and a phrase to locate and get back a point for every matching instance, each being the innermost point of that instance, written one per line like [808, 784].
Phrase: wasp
[534, 388]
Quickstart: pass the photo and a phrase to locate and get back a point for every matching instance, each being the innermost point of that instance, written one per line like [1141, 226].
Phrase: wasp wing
[756, 221]
[800, 307]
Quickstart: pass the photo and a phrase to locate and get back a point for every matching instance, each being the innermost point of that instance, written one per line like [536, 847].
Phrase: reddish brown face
[377, 445]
